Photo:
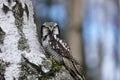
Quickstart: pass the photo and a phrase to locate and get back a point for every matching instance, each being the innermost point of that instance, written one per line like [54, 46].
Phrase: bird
[57, 48]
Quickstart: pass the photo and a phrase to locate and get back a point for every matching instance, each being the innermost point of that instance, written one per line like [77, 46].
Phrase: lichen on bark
[48, 70]
[3, 65]
[31, 71]
[22, 44]
[18, 14]
[28, 72]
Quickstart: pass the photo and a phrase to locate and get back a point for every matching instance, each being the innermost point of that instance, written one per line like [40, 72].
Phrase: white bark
[10, 52]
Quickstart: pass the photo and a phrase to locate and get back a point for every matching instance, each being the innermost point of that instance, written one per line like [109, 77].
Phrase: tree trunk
[19, 37]
[21, 55]
[74, 32]
[101, 34]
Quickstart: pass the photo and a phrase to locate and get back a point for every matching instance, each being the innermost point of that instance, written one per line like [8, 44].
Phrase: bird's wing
[71, 67]
[61, 47]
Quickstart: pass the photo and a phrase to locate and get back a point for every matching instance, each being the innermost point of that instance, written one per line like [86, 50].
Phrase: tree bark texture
[21, 55]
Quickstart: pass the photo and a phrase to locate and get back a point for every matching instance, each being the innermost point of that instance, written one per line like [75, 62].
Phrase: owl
[58, 48]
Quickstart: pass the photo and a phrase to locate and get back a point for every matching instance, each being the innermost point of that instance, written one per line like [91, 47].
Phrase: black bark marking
[5, 8]
[3, 66]
[9, 1]
[26, 10]
[2, 35]
[18, 9]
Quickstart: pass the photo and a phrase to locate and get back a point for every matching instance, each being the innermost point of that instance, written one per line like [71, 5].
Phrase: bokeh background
[92, 28]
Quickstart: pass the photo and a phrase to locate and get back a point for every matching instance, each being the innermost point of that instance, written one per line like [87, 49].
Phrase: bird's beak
[51, 29]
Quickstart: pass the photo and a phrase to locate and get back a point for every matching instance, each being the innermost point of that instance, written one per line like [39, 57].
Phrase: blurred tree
[74, 31]
[101, 35]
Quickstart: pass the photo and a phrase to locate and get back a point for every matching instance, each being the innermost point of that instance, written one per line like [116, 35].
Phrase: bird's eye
[55, 26]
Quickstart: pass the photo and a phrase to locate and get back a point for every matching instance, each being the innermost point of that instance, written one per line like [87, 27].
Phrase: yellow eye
[55, 27]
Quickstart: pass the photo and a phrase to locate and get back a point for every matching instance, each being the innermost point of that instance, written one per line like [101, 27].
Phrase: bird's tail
[71, 67]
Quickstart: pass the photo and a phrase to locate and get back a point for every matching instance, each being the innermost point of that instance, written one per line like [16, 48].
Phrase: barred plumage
[58, 48]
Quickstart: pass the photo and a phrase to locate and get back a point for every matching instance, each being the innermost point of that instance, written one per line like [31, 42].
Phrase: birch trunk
[21, 55]
[19, 37]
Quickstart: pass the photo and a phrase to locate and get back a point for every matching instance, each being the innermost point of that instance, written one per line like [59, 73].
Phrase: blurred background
[92, 29]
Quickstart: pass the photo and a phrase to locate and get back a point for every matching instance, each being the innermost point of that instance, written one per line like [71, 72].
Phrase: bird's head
[50, 28]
